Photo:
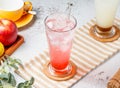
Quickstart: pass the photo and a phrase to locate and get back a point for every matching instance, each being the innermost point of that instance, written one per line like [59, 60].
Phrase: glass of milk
[105, 15]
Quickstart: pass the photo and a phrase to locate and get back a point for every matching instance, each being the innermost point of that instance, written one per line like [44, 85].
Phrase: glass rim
[75, 21]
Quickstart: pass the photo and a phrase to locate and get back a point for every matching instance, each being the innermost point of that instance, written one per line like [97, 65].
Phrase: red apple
[8, 32]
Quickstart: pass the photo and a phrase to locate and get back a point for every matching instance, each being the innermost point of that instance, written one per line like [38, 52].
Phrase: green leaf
[18, 61]
[4, 76]
[20, 85]
[12, 80]
[1, 86]
[12, 62]
[26, 84]
[14, 66]
[4, 68]
[7, 85]
[29, 86]
[31, 81]
[0, 82]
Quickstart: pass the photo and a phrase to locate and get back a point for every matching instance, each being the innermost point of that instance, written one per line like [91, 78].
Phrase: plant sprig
[7, 78]
[27, 84]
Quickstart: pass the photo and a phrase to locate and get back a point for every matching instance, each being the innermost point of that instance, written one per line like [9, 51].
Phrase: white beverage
[105, 12]
[11, 5]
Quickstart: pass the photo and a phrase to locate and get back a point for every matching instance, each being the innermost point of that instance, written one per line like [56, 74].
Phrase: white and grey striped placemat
[87, 54]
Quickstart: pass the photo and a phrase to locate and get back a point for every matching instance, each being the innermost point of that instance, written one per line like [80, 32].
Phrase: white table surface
[35, 38]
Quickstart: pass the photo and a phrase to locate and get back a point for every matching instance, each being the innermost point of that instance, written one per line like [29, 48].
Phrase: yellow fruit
[2, 49]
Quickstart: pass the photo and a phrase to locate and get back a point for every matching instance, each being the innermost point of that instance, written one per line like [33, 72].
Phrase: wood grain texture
[10, 49]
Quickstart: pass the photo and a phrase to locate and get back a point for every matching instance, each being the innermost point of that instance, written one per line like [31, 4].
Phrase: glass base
[62, 72]
[105, 35]
[60, 75]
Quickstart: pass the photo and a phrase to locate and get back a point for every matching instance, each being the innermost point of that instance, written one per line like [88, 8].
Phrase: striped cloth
[87, 54]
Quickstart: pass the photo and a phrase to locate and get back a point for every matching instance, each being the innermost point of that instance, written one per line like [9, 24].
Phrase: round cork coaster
[115, 37]
[59, 77]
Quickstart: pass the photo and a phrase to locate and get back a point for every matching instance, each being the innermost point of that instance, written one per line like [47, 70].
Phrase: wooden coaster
[10, 49]
[59, 78]
[115, 37]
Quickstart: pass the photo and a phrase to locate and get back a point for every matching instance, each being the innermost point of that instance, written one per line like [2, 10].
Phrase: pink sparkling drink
[59, 31]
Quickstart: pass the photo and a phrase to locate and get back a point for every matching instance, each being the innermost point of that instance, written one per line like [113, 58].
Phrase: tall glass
[59, 30]
[105, 15]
